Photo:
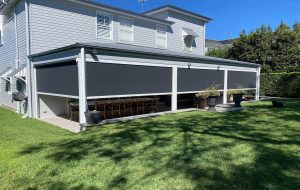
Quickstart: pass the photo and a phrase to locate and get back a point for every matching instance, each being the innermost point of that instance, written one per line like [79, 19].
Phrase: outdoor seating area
[116, 108]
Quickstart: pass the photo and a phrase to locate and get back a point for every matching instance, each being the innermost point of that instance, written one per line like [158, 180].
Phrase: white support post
[257, 84]
[225, 86]
[35, 97]
[82, 86]
[174, 88]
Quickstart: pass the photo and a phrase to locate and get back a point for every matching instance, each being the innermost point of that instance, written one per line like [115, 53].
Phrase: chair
[116, 107]
[155, 104]
[148, 104]
[101, 106]
[140, 105]
[127, 107]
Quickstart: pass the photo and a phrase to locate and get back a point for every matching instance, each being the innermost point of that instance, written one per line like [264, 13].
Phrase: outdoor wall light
[189, 65]
[218, 67]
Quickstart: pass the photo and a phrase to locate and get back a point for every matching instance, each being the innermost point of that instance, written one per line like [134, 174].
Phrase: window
[126, 30]
[104, 25]
[7, 86]
[161, 36]
[21, 84]
[188, 42]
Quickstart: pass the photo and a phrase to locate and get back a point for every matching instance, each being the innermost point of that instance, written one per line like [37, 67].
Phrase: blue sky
[230, 16]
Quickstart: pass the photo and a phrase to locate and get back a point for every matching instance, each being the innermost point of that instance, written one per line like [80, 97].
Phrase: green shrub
[280, 84]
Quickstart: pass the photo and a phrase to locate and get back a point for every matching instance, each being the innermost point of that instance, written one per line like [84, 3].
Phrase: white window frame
[98, 12]
[156, 36]
[132, 29]
[9, 83]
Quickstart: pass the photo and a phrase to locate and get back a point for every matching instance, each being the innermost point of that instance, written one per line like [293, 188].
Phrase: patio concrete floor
[75, 127]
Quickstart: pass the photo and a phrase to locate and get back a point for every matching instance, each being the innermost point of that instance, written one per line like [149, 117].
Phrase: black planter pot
[93, 117]
[212, 102]
[237, 98]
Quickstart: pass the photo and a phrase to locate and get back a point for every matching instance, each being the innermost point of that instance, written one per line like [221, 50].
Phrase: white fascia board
[158, 63]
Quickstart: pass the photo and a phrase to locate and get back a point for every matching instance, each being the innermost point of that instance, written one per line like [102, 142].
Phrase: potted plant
[200, 100]
[93, 117]
[237, 95]
[212, 93]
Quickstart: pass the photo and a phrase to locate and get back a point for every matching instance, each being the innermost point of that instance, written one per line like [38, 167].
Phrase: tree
[277, 50]
[220, 53]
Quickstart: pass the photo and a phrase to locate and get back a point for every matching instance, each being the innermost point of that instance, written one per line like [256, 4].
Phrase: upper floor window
[104, 25]
[161, 36]
[189, 37]
[188, 42]
[126, 29]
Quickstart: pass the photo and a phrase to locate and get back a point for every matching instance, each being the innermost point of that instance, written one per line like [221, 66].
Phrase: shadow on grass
[236, 150]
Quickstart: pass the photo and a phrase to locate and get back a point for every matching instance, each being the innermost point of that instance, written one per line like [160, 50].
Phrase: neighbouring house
[65, 55]
[217, 44]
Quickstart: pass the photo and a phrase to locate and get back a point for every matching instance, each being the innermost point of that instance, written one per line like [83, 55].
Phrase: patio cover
[4, 73]
[188, 32]
[19, 73]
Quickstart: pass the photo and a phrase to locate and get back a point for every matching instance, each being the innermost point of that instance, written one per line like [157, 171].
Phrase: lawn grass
[256, 148]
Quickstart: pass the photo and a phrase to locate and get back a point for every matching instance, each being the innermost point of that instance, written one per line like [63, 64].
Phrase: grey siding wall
[7, 59]
[175, 41]
[59, 23]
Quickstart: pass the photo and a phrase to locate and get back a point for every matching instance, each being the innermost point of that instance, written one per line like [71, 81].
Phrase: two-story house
[59, 51]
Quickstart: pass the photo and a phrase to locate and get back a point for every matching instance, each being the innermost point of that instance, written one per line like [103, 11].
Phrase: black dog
[277, 104]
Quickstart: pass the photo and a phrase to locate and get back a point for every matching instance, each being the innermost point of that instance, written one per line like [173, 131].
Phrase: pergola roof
[164, 53]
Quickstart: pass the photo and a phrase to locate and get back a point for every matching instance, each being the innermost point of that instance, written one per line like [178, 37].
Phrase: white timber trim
[52, 61]
[225, 87]
[82, 86]
[36, 98]
[174, 89]
[157, 63]
[194, 92]
[128, 95]
[57, 95]
[204, 36]
[257, 84]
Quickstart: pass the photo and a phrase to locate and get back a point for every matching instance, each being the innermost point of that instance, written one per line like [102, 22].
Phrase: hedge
[280, 84]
